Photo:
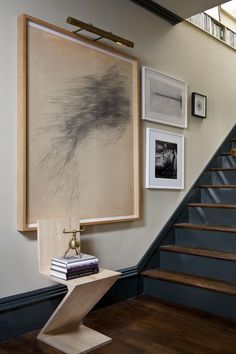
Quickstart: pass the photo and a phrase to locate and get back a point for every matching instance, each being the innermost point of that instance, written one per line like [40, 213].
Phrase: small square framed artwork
[164, 160]
[199, 105]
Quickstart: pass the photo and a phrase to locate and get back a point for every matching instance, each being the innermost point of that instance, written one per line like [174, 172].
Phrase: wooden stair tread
[191, 280]
[227, 169]
[204, 252]
[216, 205]
[206, 227]
[218, 186]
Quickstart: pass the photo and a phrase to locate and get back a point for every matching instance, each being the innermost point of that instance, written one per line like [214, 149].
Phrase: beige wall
[182, 51]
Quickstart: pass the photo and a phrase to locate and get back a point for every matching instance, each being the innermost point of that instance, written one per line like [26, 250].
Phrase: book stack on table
[74, 267]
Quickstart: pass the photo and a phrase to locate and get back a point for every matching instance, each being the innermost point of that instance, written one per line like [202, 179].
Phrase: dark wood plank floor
[144, 325]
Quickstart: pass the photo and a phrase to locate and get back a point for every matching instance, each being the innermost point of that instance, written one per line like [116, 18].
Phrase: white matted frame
[164, 98]
[164, 160]
[78, 128]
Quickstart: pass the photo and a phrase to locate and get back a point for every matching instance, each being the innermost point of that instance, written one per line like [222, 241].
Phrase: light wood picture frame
[78, 128]
[164, 98]
[164, 160]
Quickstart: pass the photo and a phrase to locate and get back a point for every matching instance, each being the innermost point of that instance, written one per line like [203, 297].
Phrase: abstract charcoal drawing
[90, 103]
[78, 128]
[79, 131]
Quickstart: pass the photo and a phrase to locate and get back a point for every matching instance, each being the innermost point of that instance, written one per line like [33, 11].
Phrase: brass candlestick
[74, 243]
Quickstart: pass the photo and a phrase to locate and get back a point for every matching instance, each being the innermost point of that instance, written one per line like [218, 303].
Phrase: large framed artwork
[164, 98]
[78, 134]
[164, 160]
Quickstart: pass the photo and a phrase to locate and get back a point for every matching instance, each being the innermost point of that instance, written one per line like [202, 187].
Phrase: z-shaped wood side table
[64, 330]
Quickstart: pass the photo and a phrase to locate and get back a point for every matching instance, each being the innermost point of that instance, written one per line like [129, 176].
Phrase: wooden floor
[144, 325]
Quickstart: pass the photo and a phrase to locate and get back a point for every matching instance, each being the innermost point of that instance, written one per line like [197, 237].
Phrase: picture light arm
[101, 33]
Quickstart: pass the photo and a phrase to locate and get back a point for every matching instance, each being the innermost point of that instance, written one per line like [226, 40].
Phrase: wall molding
[26, 299]
[159, 10]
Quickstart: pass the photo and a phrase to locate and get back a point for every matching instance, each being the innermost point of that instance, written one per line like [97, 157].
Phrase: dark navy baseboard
[23, 313]
[26, 312]
[205, 300]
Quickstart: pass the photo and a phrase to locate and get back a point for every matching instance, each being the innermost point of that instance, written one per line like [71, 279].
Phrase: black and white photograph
[164, 160]
[199, 105]
[164, 98]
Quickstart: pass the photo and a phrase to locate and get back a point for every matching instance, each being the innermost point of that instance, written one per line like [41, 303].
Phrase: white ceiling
[187, 8]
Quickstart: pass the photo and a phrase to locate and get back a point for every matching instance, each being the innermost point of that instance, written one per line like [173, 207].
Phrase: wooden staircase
[198, 267]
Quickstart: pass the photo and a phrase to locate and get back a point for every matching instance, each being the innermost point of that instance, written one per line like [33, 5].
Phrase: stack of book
[74, 267]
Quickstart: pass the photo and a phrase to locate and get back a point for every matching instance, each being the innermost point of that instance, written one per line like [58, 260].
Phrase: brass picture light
[101, 33]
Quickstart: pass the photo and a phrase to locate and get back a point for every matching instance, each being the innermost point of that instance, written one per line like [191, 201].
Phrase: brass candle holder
[74, 243]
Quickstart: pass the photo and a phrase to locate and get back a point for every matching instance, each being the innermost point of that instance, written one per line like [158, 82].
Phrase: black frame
[194, 111]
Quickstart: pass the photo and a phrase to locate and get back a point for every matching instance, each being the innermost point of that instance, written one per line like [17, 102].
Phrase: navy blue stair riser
[218, 195]
[224, 177]
[202, 299]
[232, 143]
[206, 178]
[196, 195]
[215, 240]
[229, 144]
[225, 161]
[197, 265]
[212, 216]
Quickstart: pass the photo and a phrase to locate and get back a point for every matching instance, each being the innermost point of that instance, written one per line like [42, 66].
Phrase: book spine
[65, 276]
[81, 274]
[75, 264]
[76, 269]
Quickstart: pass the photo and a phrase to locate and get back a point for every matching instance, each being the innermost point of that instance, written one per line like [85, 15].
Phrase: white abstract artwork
[164, 98]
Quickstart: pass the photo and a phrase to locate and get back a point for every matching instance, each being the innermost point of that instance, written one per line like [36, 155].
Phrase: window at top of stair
[220, 22]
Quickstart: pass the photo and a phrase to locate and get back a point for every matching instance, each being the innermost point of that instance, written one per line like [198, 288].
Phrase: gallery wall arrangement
[78, 151]
[78, 142]
[164, 101]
